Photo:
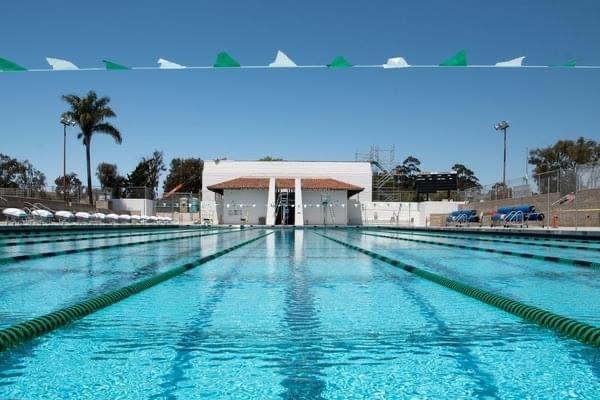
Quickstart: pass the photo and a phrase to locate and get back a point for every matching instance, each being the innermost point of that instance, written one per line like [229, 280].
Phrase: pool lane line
[558, 246]
[38, 326]
[504, 235]
[25, 257]
[560, 260]
[573, 328]
[82, 231]
[71, 239]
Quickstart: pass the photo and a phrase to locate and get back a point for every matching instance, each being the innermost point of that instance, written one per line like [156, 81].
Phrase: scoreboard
[432, 182]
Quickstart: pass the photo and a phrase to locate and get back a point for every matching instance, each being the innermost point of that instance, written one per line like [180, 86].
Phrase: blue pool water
[294, 315]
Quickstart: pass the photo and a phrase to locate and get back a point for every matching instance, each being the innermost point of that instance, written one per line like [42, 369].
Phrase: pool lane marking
[432, 235]
[560, 260]
[43, 233]
[25, 257]
[505, 235]
[71, 239]
[35, 327]
[573, 328]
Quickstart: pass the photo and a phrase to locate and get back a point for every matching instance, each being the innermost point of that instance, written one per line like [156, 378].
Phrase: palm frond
[110, 130]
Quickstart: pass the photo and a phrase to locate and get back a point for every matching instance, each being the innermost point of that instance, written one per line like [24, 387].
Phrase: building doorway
[285, 206]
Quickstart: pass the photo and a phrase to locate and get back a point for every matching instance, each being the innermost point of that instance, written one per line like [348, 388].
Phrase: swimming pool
[297, 315]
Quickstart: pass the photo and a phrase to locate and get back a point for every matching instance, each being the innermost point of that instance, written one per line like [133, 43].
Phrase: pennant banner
[282, 60]
[61, 65]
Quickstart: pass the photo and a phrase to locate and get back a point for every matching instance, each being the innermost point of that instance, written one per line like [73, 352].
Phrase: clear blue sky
[441, 116]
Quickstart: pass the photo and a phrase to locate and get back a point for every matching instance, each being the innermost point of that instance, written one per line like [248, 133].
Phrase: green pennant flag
[224, 60]
[457, 60]
[339, 62]
[114, 66]
[568, 64]
[7, 65]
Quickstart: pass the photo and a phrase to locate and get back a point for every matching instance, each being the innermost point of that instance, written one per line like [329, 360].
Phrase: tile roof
[285, 183]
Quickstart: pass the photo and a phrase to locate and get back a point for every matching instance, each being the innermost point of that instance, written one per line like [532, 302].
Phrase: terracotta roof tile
[285, 183]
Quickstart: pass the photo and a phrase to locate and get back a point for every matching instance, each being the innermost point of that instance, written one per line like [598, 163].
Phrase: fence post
[548, 205]
[575, 201]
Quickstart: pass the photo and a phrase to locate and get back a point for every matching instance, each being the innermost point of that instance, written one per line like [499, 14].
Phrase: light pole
[503, 126]
[65, 121]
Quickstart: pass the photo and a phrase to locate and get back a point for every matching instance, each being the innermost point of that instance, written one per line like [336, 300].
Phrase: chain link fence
[562, 181]
[76, 194]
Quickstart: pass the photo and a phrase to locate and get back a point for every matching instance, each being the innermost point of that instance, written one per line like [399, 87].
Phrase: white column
[271, 202]
[299, 218]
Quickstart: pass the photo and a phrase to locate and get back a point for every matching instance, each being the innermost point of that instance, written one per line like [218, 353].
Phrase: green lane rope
[581, 331]
[529, 236]
[560, 260]
[98, 237]
[551, 245]
[25, 257]
[35, 327]
[52, 231]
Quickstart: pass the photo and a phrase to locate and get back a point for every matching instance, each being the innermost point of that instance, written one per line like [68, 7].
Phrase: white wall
[249, 203]
[337, 213]
[404, 213]
[354, 172]
[134, 206]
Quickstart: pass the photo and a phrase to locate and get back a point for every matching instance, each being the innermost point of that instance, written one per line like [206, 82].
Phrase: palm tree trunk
[89, 172]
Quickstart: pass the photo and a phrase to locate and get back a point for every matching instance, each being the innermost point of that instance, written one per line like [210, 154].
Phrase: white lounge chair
[14, 214]
[64, 216]
[125, 218]
[42, 215]
[112, 217]
[100, 217]
[83, 216]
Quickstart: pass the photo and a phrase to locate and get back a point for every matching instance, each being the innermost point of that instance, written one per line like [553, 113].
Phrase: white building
[285, 192]
[303, 193]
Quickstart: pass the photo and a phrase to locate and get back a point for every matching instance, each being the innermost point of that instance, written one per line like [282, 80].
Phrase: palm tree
[90, 113]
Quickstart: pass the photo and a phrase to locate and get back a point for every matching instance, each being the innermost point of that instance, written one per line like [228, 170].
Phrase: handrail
[43, 206]
[3, 199]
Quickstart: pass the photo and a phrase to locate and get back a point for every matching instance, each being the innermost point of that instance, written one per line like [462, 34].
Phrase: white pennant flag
[396, 62]
[515, 62]
[166, 64]
[61, 65]
[282, 61]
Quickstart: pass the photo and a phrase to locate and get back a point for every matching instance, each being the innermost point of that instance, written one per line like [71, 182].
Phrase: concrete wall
[584, 211]
[133, 206]
[404, 213]
[244, 203]
[355, 172]
[336, 213]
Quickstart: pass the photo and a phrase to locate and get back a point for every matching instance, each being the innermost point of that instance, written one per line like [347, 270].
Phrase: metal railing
[76, 194]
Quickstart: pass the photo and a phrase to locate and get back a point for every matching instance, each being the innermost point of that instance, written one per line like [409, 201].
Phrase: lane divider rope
[88, 230]
[581, 331]
[25, 257]
[560, 260]
[528, 236]
[71, 239]
[35, 327]
[551, 245]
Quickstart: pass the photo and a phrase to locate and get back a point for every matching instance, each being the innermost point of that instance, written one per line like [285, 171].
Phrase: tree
[465, 177]
[269, 158]
[564, 154]
[186, 172]
[407, 172]
[73, 186]
[147, 172]
[90, 114]
[20, 174]
[109, 178]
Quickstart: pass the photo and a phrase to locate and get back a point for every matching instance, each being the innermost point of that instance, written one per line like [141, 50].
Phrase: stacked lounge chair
[516, 215]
